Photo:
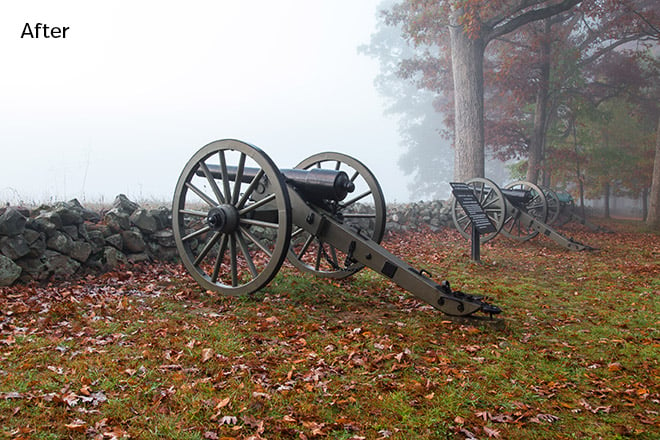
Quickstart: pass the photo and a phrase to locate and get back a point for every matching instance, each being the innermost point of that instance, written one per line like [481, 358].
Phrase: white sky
[136, 87]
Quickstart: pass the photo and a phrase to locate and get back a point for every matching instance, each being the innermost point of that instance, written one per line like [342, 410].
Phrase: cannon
[236, 217]
[520, 211]
[562, 210]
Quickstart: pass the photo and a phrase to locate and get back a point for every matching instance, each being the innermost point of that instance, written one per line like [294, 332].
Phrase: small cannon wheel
[553, 204]
[364, 209]
[537, 207]
[232, 231]
[491, 200]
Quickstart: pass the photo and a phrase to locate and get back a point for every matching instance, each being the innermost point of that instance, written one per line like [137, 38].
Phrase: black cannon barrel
[315, 183]
[517, 196]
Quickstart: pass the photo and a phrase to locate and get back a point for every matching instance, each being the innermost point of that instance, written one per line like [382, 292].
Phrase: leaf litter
[116, 355]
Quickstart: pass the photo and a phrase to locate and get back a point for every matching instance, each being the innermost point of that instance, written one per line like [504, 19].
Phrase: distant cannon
[562, 210]
[236, 217]
[519, 211]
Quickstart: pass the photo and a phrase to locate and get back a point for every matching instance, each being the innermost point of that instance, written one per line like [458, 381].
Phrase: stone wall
[434, 215]
[56, 242]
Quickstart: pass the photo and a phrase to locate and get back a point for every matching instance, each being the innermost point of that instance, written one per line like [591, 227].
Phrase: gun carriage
[520, 211]
[236, 217]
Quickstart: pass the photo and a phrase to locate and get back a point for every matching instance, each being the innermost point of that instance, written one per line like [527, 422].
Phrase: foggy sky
[136, 87]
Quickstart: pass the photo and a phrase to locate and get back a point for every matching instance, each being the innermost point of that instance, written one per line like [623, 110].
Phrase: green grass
[315, 358]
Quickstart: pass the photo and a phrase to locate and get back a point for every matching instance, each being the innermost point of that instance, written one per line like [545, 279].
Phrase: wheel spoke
[256, 241]
[490, 203]
[333, 254]
[207, 247]
[462, 217]
[193, 212]
[246, 254]
[253, 222]
[337, 166]
[197, 233]
[355, 176]
[209, 201]
[250, 189]
[317, 263]
[219, 258]
[233, 260]
[360, 197]
[239, 177]
[305, 246]
[211, 180]
[225, 176]
[256, 205]
[488, 192]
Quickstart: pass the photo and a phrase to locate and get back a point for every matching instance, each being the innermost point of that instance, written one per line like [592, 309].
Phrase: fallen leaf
[485, 415]
[614, 366]
[228, 420]
[76, 425]
[492, 433]
[207, 354]
[224, 402]
[252, 422]
[469, 435]
[544, 418]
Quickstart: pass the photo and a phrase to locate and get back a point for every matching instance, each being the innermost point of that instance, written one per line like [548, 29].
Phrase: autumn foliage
[143, 353]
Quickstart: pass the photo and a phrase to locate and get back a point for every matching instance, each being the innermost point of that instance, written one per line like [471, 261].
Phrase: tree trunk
[537, 144]
[467, 56]
[606, 193]
[583, 212]
[645, 203]
[653, 217]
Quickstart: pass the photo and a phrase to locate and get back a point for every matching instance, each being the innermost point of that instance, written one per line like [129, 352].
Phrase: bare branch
[528, 17]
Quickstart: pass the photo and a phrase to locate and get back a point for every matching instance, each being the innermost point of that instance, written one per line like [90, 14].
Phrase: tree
[653, 217]
[427, 152]
[470, 26]
[545, 65]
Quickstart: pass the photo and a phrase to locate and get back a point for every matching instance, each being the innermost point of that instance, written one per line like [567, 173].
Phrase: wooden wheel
[536, 206]
[566, 208]
[364, 209]
[491, 200]
[554, 205]
[232, 229]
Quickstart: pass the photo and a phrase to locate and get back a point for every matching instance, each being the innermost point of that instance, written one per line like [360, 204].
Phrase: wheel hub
[223, 218]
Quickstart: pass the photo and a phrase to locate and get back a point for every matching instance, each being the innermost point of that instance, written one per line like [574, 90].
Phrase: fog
[136, 87]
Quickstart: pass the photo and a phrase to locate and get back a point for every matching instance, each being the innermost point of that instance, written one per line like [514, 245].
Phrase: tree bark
[537, 144]
[467, 54]
[653, 217]
[606, 194]
[645, 204]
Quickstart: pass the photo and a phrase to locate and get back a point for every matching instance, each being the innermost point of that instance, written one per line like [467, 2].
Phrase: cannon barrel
[316, 184]
[516, 196]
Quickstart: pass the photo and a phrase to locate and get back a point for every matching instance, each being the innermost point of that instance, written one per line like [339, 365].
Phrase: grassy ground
[145, 354]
